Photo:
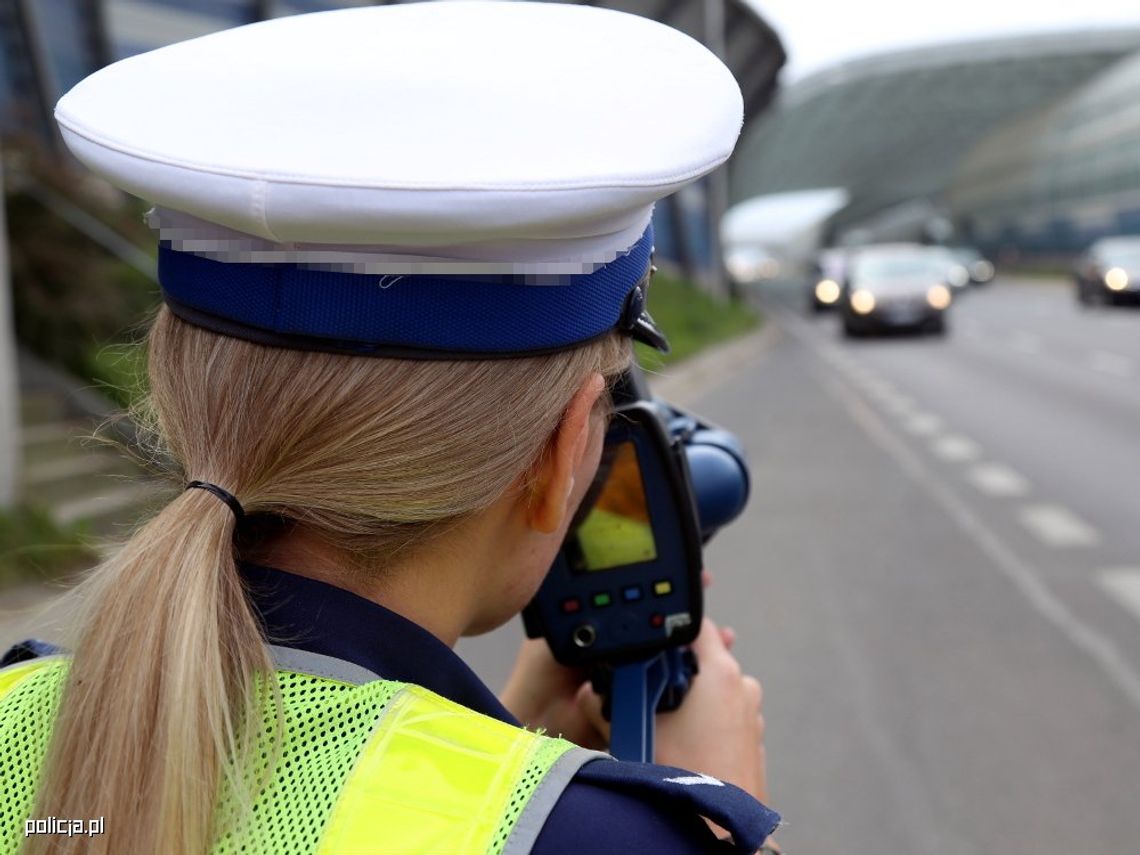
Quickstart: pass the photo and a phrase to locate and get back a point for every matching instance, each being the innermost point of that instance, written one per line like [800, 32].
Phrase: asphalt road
[938, 577]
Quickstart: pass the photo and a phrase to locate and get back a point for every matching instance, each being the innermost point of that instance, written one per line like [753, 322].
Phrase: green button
[601, 599]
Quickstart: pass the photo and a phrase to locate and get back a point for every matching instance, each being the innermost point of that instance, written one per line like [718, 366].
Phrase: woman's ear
[551, 498]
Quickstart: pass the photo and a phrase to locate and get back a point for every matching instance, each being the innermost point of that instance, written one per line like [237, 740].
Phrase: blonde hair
[371, 455]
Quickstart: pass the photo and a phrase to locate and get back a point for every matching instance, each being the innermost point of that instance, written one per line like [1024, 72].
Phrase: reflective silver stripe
[319, 665]
[543, 799]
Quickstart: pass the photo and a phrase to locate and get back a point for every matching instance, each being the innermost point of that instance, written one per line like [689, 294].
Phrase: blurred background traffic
[926, 255]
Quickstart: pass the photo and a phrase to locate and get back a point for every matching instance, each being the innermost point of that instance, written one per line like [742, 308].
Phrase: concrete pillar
[9, 387]
[716, 184]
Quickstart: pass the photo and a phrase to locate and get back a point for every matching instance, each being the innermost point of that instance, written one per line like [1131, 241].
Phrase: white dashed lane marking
[1111, 363]
[900, 405]
[1057, 526]
[923, 424]
[881, 389]
[997, 479]
[956, 448]
[1123, 585]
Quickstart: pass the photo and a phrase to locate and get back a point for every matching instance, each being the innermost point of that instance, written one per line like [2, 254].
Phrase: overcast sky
[819, 33]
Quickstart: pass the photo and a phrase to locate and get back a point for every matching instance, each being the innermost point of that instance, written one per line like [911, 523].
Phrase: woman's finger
[589, 704]
[728, 636]
[709, 641]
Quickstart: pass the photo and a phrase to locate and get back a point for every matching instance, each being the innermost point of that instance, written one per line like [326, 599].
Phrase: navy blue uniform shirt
[609, 807]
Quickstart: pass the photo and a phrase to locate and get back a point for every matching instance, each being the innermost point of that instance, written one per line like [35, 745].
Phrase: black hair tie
[225, 495]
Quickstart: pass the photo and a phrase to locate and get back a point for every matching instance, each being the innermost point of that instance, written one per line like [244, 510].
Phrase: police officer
[398, 250]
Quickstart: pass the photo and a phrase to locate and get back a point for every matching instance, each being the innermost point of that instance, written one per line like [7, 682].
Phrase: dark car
[1109, 272]
[825, 278]
[979, 268]
[896, 287]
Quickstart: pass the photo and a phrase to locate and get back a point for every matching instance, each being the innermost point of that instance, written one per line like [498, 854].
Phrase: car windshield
[1128, 258]
[897, 269]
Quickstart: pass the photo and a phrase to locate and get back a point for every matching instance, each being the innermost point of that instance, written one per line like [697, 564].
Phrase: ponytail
[161, 687]
[164, 702]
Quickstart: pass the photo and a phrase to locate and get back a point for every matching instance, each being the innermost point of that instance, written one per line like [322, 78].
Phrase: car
[1109, 272]
[893, 287]
[748, 265]
[980, 269]
[957, 273]
[824, 284]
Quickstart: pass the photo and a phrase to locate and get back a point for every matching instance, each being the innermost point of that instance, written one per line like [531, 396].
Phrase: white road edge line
[997, 479]
[1097, 646]
[1057, 526]
[900, 405]
[906, 784]
[955, 448]
[923, 424]
[882, 390]
[1123, 585]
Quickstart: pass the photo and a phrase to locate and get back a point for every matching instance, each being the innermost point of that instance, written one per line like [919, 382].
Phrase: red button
[571, 605]
[657, 621]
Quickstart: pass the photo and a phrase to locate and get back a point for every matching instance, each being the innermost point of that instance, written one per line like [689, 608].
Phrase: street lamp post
[9, 388]
[716, 184]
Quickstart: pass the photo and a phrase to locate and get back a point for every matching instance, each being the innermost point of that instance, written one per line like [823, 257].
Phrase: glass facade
[898, 129]
[1057, 180]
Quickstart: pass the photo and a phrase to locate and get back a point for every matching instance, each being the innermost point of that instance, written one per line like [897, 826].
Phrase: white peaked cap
[472, 132]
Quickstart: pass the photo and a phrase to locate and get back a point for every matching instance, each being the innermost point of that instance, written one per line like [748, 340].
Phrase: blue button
[631, 594]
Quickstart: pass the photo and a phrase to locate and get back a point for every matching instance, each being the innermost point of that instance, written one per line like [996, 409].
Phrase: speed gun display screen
[626, 582]
[617, 530]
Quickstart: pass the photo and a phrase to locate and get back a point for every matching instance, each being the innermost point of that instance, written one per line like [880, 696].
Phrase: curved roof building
[1061, 177]
[894, 128]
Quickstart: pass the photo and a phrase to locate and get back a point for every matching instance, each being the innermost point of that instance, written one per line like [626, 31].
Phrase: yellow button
[662, 588]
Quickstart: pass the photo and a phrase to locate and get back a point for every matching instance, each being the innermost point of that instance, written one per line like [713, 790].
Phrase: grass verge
[34, 547]
[692, 320]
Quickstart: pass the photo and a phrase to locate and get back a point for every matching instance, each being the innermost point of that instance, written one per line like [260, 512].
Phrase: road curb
[684, 383]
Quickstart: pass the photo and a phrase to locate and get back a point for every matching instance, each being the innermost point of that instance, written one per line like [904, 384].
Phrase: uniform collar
[315, 616]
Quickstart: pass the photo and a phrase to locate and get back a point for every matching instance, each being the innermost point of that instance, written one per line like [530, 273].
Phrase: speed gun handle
[638, 692]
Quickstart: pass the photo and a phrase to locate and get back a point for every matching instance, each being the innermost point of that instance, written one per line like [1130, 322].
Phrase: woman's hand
[718, 729]
[543, 694]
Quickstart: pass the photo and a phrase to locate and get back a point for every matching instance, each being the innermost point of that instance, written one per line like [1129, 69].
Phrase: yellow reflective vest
[363, 765]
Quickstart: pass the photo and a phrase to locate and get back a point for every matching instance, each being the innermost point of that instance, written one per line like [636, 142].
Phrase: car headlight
[827, 291]
[983, 271]
[958, 275]
[1116, 278]
[938, 296]
[862, 301]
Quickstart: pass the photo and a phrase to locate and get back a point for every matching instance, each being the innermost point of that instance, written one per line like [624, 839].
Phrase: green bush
[71, 298]
[119, 371]
[692, 319]
[33, 546]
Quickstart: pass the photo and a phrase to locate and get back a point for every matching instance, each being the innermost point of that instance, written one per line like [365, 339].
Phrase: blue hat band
[419, 315]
